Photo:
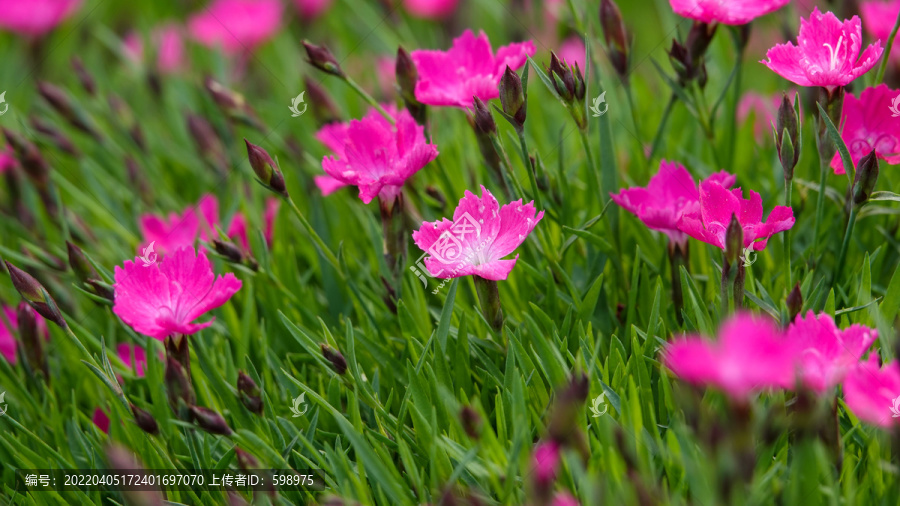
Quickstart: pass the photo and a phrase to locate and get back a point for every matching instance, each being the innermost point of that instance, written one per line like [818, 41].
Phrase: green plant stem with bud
[320, 244]
[788, 183]
[489, 298]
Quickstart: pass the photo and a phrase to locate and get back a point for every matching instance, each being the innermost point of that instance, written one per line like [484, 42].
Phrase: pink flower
[727, 12]
[169, 45]
[826, 353]
[311, 9]
[869, 124]
[667, 196]
[328, 185]
[872, 393]
[708, 220]
[478, 238]
[564, 499]
[272, 205]
[238, 230]
[101, 420]
[376, 156]
[467, 70]
[134, 357]
[164, 298]
[35, 17]
[9, 325]
[749, 355]
[334, 136]
[430, 9]
[828, 54]
[182, 230]
[878, 19]
[236, 25]
[545, 462]
[571, 51]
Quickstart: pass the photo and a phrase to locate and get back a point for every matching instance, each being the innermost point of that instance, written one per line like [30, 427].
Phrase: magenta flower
[466, 70]
[826, 353]
[166, 297]
[430, 9]
[311, 9]
[9, 325]
[35, 18]
[870, 124]
[708, 220]
[670, 193]
[572, 51]
[873, 393]
[378, 157]
[134, 357]
[236, 25]
[564, 499]
[182, 230]
[478, 238]
[334, 136]
[545, 462]
[749, 355]
[878, 19]
[101, 420]
[828, 54]
[727, 12]
[168, 43]
[272, 205]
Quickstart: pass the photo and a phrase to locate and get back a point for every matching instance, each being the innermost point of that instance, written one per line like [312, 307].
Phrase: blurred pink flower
[182, 230]
[101, 420]
[469, 68]
[878, 19]
[236, 25]
[8, 343]
[328, 185]
[478, 238]
[749, 355]
[430, 9]
[272, 205]
[571, 51]
[727, 12]
[311, 9]
[564, 499]
[764, 108]
[873, 393]
[869, 123]
[826, 353]
[670, 192]
[708, 220]
[169, 45]
[828, 54]
[127, 352]
[385, 71]
[164, 298]
[7, 159]
[545, 462]
[35, 17]
[238, 230]
[376, 156]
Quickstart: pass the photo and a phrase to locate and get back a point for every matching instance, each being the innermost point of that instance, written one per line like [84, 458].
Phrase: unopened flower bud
[323, 107]
[249, 393]
[245, 461]
[144, 420]
[580, 87]
[81, 266]
[84, 77]
[29, 157]
[60, 101]
[407, 74]
[178, 387]
[787, 136]
[794, 302]
[229, 100]
[32, 341]
[734, 241]
[563, 78]
[615, 35]
[866, 176]
[681, 62]
[484, 120]
[56, 137]
[321, 58]
[207, 142]
[35, 295]
[228, 250]
[512, 98]
[338, 362]
[699, 38]
[209, 420]
[102, 289]
[265, 169]
[471, 422]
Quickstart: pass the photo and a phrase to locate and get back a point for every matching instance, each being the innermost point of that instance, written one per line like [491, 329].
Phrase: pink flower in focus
[727, 12]
[708, 220]
[376, 156]
[101, 420]
[667, 196]
[572, 51]
[168, 42]
[166, 297]
[272, 205]
[134, 357]
[311, 9]
[545, 462]
[236, 25]
[564, 499]
[826, 353]
[872, 393]
[878, 19]
[430, 9]
[828, 54]
[749, 355]
[35, 17]
[478, 238]
[868, 124]
[468, 69]
[9, 325]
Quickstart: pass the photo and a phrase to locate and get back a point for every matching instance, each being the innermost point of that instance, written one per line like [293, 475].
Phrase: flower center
[834, 52]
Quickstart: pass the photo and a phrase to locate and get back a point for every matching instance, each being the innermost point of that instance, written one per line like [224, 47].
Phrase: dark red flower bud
[32, 341]
[179, 390]
[60, 101]
[81, 266]
[787, 135]
[484, 120]
[866, 176]
[615, 35]
[35, 295]
[323, 107]
[144, 420]
[209, 420]
[207, 142]
[512, 97]
[471, 422]
[228, 250]
[407, 74]
[246, 461]
[321, 58]
[734, 241]
[338, 362]
[54, 135]
[794, 302]
[84, 77]
[265, 168]
[563, 78]
[249, 393]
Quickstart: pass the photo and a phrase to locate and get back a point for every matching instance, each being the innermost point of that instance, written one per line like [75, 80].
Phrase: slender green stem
[532, 178]
[590, 159]
[80, 346]
[629, 96]
[844, 245]
[508, 172]
[320, 244]
[788, 183]
[657, 139]
[368, 98]
[887, 52]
